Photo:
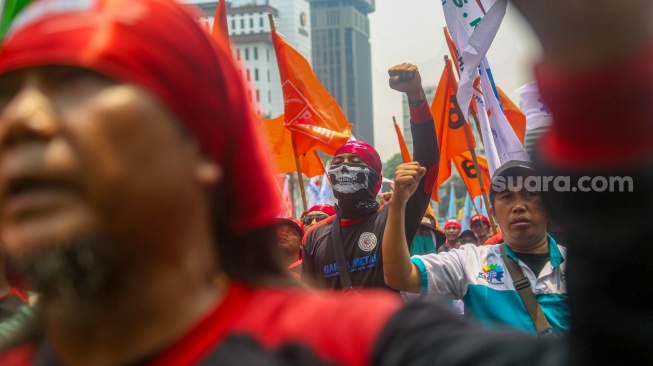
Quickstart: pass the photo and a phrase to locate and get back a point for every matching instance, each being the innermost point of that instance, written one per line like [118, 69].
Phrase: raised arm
[399, 272]
[406, 78]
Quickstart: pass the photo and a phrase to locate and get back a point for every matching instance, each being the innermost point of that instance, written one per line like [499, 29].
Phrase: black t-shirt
[362, 246]
[361, 240]
[534, 261]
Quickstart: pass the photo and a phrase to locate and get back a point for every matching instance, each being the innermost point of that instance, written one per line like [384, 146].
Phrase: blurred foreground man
[125, 198]
[127, 158]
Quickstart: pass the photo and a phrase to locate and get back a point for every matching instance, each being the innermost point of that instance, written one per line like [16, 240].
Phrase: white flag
[473, 24]
[325, 189]
[537, 114]
[499, 139]
[313, 191]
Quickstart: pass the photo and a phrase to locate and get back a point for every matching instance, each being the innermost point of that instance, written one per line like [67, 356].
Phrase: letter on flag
[315, 119]
[454, 133]
[515, 116]
[537, 114]
[473, 25]
[280, 144]
[465, 166]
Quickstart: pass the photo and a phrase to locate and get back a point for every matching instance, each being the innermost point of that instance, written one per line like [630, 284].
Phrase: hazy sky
[411, 31]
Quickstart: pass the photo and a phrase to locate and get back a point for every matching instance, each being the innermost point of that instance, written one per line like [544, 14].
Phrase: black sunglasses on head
[309, 218]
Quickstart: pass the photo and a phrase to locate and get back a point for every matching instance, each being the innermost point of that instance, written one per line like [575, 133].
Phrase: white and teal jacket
[478, 276]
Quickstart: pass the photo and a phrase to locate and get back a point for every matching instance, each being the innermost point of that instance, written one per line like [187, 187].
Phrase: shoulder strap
[523, 287]
[336, 241]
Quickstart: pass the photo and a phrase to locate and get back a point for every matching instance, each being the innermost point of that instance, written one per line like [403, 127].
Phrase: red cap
[479, 217]
[158, 45]
[369, 155]
[453, 222]
[292, 222]
[324, 207]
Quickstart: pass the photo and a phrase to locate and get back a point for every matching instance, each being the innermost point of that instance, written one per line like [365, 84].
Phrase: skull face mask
[353, 186]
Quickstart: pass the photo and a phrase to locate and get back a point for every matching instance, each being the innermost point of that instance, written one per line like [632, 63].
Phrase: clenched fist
[407, 177]
[406, 78]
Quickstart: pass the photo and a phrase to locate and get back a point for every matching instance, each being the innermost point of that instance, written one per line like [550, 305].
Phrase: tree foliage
[391, 165]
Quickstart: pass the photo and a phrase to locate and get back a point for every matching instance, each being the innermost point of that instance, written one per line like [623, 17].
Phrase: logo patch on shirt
[367, 242]
[492, 273]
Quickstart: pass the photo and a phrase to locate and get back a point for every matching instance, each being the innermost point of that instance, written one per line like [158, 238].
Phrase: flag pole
[479, 176]
[300, 178]
[482, 185]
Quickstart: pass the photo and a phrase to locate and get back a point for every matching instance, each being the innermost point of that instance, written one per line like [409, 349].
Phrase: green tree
[389, 169]
[392, 164]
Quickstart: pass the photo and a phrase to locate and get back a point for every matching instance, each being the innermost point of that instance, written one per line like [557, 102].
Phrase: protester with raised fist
[344, 251]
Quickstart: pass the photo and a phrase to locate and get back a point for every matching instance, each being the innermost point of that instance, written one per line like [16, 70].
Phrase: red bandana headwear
[366, 152]
[157, 45]
[453, 222]
[481, 217]
[324, 207]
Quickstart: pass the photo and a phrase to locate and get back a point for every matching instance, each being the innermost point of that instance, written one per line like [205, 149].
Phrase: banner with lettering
[465, 166]
[454, 133]
[473, 25]
[312, 115]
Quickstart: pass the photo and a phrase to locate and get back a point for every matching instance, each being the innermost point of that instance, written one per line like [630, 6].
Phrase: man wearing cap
[289, 235]
[316, 214]
[478, 274]
[428, 238]
[480, 225]
[357, 228]
[467, 237]
[452, 231]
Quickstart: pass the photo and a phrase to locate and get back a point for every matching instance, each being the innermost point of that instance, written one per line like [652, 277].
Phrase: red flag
[315, 119]
[454, 133]
[220, 29]
[278, 138]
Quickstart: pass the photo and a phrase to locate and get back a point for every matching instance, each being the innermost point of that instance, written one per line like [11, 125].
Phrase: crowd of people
[144, 217]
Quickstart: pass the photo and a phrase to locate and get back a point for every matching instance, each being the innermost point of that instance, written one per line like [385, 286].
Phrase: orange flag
[220, 29]
[280, 144]
[465, 166]
[315, 119]
[515, 116]
[454, 133]
[405, 154]
[452, 49]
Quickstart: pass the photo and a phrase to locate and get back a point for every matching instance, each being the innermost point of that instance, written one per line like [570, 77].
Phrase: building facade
[429, 91]
[342, 58]
[249, 32]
